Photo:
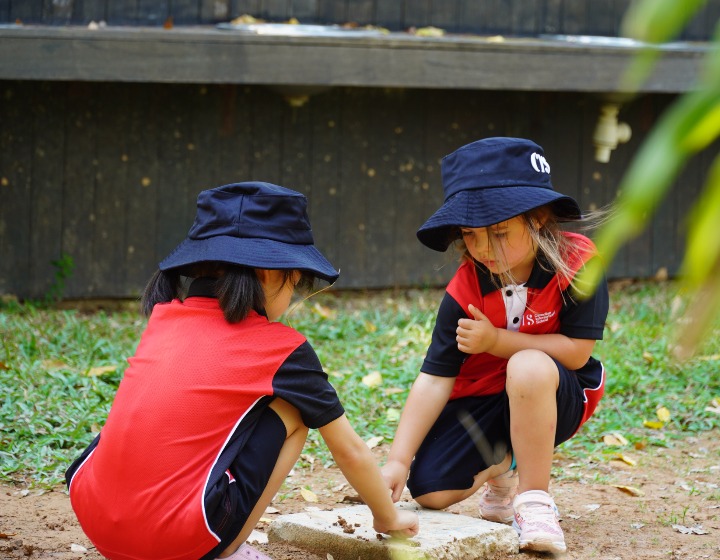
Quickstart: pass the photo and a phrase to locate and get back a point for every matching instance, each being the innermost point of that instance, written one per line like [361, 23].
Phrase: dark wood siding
[109, 173]
[507, 17]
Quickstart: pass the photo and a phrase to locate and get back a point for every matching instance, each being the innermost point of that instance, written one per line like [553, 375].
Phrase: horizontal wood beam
[213, 55]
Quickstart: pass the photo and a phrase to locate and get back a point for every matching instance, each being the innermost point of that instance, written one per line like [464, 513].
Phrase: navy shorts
[473, 433]
[229, 503]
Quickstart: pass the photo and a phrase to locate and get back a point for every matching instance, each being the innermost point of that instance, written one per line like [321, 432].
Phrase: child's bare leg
[445, 498]
[289, 454]
[532, 382]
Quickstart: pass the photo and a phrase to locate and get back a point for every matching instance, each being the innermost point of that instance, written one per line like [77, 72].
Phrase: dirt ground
[666, 506]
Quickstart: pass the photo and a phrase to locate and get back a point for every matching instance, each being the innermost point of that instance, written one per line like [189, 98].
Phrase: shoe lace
[540, 512]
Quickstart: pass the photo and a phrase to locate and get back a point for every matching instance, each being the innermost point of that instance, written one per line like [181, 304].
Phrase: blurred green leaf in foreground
[687, 127]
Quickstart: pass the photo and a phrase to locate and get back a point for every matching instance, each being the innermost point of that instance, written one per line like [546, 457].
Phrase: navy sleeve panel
[585, 317]
[443, 357]
[301, 381]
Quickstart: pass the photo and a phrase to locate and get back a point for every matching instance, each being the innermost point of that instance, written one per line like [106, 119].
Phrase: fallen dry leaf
[663, 414]
[625, 459]
[373, 442]
[100, 370]
[372, 379]
[245, 19]
[715, 406]
[324, 312]
[615, 439]
[54, 364]
[652, 424]
[429, 31]
[308, 495]
[630, 490]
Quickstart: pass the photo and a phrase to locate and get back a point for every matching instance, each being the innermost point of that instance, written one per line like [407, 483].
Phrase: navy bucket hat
[490, 181]
[254, 224]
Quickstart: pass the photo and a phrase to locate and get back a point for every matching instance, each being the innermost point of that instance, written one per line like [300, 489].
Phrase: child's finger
[476, 313]
[465, 324]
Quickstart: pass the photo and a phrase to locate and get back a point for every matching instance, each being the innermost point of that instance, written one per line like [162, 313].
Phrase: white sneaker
[496, 501]
[537, 523]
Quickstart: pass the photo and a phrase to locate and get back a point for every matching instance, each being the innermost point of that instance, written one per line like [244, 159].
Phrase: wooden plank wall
[510, 17]
[109, 173]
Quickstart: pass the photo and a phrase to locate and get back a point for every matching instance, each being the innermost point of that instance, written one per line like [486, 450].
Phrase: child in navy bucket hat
[215, 406]
[509, 373]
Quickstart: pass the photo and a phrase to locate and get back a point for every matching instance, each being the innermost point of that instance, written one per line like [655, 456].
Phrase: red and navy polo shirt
[192, 391]
[544, 304]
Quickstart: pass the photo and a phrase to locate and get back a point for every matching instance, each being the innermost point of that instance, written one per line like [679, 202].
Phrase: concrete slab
[347, 534]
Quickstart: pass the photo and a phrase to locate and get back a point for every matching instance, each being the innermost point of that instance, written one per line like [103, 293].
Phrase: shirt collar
[202, 287]
[540, 276]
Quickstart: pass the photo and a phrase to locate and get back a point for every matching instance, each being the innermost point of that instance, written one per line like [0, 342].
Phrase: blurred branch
[687, 127]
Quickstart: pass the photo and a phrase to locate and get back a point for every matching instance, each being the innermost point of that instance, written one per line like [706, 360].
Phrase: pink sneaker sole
[247, 552]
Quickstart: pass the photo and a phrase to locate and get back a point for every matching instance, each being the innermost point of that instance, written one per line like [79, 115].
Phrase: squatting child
[215, 406]
[509, 373]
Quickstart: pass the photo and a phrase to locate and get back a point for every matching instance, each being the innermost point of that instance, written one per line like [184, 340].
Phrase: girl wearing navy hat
[509, 373]
[215, 406]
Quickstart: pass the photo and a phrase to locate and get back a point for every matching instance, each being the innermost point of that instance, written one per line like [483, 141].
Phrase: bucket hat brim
[253, 224]
[253, 253]
[487, 206]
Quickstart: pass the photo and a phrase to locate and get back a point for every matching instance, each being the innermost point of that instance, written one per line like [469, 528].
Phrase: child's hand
[395, 475]
[477, 335]
[406, 524]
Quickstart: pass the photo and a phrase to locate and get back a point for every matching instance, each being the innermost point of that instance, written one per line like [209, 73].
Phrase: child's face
[511, 239]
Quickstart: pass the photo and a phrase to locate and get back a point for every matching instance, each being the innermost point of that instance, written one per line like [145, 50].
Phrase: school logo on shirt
[539, 163]
[538, 318]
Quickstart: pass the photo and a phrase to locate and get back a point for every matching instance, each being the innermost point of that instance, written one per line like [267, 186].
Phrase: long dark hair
[237, 287]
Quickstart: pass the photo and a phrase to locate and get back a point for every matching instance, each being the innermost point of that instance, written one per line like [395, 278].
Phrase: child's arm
[358, 465]
[428, 395]
[480, 335]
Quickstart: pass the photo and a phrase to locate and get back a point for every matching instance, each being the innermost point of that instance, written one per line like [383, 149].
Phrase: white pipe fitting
[609, 132]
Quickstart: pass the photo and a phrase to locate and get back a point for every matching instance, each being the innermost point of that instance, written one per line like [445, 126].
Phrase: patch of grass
[51, 405]
[643, 374]
[59, 370]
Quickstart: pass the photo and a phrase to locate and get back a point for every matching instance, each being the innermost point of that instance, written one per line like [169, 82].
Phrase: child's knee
[530, 369]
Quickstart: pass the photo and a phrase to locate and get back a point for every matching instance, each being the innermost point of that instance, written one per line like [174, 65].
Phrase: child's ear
[269, 277]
